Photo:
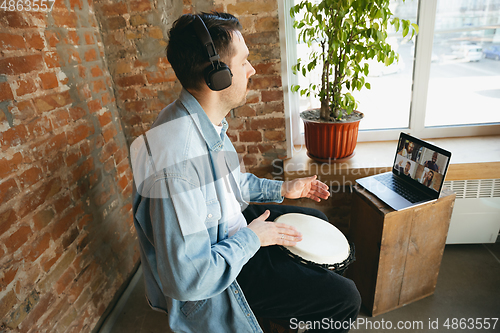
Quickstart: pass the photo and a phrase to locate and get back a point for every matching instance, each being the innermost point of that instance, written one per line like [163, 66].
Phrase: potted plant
[348, 32]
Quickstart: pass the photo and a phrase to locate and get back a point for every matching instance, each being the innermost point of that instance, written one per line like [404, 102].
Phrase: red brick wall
[66, 237]
[135, 37]
[77, 85]
[257, 129]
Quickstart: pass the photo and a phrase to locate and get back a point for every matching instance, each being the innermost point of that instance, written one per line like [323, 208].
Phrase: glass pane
[303, 50]
[464, 85]
[387, 104]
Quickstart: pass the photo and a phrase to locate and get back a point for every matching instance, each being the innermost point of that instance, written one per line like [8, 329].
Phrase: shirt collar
[214, 141]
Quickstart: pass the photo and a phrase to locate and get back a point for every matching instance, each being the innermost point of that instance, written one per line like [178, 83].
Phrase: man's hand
[271, 233]
[308, 187]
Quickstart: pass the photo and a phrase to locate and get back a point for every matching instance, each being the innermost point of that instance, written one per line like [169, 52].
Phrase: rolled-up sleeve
[255, 189]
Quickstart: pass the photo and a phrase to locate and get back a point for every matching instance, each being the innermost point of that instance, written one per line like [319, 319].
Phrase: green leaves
[395, 22]
[311, 65]
[415, 30]
[349, 32]
[406, 27]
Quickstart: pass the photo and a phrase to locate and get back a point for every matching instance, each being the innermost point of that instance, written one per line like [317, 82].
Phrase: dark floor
[468, 287]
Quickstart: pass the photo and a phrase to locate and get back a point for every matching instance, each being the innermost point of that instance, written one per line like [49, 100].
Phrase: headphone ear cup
[218, 78]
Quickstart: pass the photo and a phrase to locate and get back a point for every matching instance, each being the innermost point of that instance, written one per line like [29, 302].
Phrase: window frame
[426, 18]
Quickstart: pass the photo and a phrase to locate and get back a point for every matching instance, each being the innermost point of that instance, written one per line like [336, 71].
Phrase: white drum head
[322, 243]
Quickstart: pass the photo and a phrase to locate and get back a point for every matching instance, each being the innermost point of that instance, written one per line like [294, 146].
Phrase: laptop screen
[422, 163]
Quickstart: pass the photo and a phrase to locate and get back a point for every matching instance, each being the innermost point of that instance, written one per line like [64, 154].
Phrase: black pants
[276, 286]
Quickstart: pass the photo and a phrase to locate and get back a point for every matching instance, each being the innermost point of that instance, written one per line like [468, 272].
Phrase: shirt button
[209, 215]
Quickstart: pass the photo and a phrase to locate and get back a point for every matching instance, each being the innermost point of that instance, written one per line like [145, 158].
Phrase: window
[465, 70]
[447, 81]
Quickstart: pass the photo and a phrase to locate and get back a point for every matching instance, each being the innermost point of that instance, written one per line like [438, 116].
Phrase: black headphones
[217, 76]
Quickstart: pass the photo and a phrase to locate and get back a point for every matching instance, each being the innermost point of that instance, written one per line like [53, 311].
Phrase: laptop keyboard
[400, 188]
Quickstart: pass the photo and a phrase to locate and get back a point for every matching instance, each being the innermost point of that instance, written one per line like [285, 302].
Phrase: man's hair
[186, 53]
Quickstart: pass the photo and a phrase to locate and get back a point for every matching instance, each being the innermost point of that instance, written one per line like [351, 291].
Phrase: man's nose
[252, 71]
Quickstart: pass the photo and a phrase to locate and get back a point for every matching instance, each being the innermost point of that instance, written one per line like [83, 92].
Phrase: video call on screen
[420, 163]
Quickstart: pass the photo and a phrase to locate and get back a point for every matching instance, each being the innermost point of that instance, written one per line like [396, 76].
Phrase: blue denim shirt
[190, 265]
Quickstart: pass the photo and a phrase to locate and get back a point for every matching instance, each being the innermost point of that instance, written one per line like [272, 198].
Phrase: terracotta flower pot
[331, 141]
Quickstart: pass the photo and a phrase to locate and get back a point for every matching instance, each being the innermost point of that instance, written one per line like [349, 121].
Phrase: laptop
[417, 174]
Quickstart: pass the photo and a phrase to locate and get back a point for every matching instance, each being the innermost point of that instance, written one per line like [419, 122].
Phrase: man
[432, 163]
[407, 151]
[406, 169]
[202, 263]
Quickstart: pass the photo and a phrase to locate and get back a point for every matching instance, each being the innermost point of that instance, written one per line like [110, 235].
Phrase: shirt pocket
[190, 308]
[213, 213]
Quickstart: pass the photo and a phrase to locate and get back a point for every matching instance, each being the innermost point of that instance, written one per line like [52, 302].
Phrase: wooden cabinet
[398, 253]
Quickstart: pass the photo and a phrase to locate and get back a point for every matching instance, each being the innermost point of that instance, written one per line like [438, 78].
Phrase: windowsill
[472, 158]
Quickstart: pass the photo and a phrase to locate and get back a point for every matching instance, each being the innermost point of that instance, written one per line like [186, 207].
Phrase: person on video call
[427, 178]
[407, 150]
[432, 163]
[210, 265]
[406, 170]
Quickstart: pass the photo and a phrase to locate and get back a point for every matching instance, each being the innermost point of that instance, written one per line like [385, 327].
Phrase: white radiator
[476, 215]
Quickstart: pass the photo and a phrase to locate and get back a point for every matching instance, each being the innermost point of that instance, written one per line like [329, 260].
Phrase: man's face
[241, 69]
[410, 147]
[407, 168]
[434, 157]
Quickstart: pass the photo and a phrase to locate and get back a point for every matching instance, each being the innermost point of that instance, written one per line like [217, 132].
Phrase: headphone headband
[218, 76]
[206, 39]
